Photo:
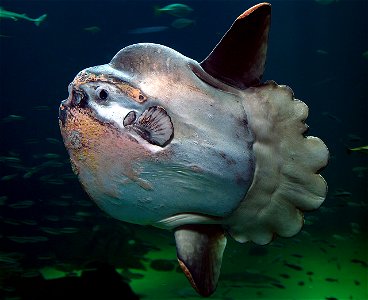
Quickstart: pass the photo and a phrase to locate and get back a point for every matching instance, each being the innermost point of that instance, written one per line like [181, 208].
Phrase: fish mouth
[77, 98]
[62, 112]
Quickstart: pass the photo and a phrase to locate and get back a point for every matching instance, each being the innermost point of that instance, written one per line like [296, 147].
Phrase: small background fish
[92, 29]
[148, 29]
[175, 9]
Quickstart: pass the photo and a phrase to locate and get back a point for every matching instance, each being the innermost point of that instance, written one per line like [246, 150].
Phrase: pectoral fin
[199, 250]
[154, 125]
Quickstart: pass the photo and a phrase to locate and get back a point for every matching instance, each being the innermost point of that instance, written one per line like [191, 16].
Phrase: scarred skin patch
[86, 137]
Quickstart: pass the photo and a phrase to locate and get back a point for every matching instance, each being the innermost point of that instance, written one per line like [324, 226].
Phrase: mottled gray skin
[205, 169]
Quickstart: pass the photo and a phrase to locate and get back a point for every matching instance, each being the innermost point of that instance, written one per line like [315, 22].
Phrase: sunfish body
[5, 14]
[203, 149]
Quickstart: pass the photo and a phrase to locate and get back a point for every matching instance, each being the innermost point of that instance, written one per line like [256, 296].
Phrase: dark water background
[316, 49]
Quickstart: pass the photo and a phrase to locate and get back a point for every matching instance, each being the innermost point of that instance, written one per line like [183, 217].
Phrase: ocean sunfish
[206, 150]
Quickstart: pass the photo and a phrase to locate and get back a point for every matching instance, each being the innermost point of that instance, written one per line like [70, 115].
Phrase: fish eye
[102, 93]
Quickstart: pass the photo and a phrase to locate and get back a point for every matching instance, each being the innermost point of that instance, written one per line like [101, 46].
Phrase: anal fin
[199, 250]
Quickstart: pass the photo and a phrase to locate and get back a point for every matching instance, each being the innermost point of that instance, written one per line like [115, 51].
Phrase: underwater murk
[188, 134]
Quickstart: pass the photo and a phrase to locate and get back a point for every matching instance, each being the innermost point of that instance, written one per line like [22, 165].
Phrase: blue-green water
[49, 227]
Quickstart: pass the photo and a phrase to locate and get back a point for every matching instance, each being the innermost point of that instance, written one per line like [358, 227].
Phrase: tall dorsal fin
[239, 58]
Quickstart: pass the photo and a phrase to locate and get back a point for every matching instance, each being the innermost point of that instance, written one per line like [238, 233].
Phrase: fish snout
[77, 98]
[62, 112]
